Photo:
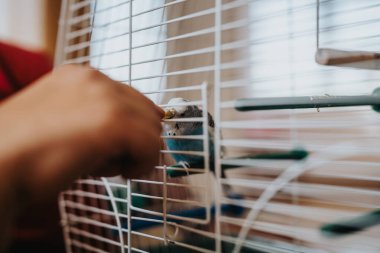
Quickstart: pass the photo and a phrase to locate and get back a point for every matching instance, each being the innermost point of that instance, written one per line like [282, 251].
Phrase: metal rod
[317, 25]
[280, 103]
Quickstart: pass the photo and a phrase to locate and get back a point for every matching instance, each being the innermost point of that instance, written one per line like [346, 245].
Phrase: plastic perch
[354, 59]
[279, 103]
[296, 154]
[349, 226]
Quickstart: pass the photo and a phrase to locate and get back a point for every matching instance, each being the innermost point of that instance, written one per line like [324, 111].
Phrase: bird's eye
[176, 126]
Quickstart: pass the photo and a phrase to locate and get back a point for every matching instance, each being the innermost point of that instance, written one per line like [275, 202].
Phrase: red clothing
[19, 67]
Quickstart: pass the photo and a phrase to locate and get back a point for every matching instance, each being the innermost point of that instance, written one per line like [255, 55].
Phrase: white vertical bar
[217, 74]
[62, 31]
[317, 24]
[129, 196]
[164, 205]
[130, 43]
[57, 61]
[206, 149]
[205, 127]
[129, 199]
[116, 213]
[64, 223]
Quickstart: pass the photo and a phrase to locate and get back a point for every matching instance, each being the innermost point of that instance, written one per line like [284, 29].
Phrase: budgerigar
[178, 111]
[173, 129]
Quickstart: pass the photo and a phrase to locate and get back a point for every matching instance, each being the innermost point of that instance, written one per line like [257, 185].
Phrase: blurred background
[31, 24]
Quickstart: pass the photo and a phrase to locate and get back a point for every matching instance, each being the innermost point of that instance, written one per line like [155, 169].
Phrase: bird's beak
[170, 113]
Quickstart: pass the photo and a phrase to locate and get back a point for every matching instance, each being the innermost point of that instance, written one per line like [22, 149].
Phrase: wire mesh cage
[289, 162]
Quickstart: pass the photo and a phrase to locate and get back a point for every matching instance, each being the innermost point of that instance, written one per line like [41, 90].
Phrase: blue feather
[190, 145]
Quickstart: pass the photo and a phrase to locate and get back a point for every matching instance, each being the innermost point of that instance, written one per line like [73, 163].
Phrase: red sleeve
[19, 67]
[5, 86]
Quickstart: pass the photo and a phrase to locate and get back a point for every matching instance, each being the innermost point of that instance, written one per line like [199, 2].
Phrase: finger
[142, 113]
[137, 157]
[136, 94]
[141, 143]
[161, 112]
[132, 101]
[133, 94]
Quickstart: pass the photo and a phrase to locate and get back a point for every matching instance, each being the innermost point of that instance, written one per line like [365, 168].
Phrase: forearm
[6, 216]
[17, 171]
[36, 154]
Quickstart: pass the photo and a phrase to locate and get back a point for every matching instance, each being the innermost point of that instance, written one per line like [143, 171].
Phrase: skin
[74, 121]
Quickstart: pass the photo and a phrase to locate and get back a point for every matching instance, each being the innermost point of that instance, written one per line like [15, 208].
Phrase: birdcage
[291, 164]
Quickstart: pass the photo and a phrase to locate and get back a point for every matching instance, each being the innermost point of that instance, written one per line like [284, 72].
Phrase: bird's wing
[210, 119]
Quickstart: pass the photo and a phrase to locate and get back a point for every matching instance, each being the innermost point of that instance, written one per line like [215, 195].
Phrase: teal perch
[350, 226]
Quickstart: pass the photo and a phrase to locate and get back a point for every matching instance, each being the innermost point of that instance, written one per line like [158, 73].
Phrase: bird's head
[177, 109]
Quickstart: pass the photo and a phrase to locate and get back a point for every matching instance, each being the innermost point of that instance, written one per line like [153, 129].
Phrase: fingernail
[169, 114]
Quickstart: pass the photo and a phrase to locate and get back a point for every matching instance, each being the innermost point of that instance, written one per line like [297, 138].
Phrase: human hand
[76, 121]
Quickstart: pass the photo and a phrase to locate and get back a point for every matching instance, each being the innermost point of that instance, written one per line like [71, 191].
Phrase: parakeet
[178, 111]
[177, 129]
